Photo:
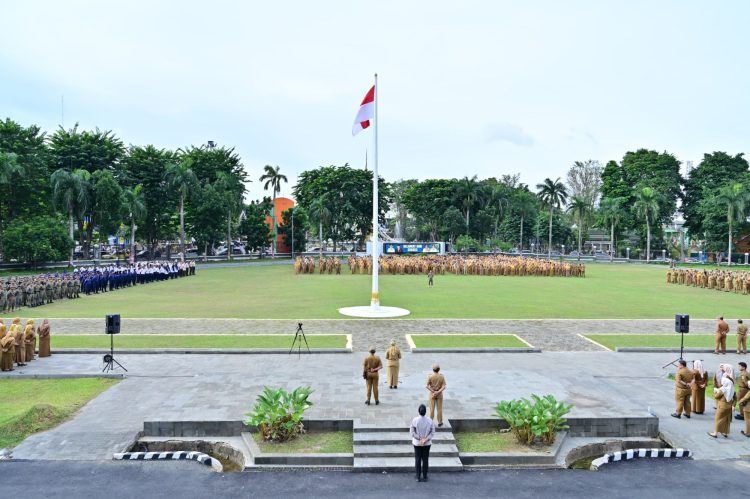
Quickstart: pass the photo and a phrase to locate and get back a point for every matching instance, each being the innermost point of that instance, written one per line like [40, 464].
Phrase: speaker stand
[109, 359]
[682, 348]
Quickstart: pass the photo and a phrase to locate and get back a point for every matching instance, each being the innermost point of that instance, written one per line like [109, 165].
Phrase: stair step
[404, 464]
[363, 428]
[398, 438]
[401, 450]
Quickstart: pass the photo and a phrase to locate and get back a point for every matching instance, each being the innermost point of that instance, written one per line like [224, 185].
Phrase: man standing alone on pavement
[722, 329]
[682, 390]
[371, 366]
[741, 337]
[436, 386]
[742, 384]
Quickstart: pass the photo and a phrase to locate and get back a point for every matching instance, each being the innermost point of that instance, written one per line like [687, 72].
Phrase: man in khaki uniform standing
[682, 390]
[741, 337]
[722, 329]
[744, 403]
[742, 388]
[436, 386]
[371, 366]
[393, 359]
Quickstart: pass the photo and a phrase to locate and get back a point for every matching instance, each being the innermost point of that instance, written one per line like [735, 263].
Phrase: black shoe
[390, 387]
[440, 424]
[377, 402]
[418, 479]
[395, 388]
[675, 415]
[424, 479]
[687, 416]
[740, 417]
[367, 402]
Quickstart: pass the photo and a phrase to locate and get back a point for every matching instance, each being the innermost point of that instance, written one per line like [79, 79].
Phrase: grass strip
[654, 340]
[467, 341]
[125, 341]
[328, 442]
[492, 441]
[34, 405]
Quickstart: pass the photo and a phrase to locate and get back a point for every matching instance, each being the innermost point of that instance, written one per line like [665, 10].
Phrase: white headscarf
[727, 382]
[698, 366]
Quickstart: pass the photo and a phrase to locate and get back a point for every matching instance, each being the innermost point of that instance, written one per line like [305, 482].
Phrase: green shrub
[541, 417]
[278, 413]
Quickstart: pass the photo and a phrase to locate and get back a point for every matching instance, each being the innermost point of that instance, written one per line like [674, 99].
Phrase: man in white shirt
[422, 431]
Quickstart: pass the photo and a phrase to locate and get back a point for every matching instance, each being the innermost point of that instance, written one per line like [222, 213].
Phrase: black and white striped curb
[165, 456]
[626, 455]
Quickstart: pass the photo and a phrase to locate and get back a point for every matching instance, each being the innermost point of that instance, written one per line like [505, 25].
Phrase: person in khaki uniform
[371, 366]
[744, 406]
[724, 397]
[29, 339]
[393, 358]
[742, 382]
[722, 329]
[18, 335]
[436, 386]
[741, 337]
[698, 388]
[43, 332]
[7, 349]
[682, 381]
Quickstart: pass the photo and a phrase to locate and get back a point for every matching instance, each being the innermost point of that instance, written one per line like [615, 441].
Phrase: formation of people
[719, 280]
[372, 364]
[36, 290]
[690, 395]
[490, 265]
[721, 333]
[18, 343]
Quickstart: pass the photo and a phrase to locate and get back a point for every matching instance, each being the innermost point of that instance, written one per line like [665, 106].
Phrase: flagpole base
[374, 312]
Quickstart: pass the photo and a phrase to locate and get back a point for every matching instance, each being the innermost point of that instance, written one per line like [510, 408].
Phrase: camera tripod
[299, 336]
[109, 358]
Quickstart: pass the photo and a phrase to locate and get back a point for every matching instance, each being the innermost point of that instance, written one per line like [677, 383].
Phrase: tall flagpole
[375, 299]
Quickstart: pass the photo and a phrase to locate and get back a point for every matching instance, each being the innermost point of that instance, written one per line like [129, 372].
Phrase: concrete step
[404, 464]
[397, 438]
[401, 450]
[363, 428]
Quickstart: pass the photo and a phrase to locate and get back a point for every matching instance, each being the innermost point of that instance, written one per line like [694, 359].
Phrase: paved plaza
[223, 387]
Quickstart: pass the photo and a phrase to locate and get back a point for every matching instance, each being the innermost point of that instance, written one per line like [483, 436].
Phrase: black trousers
[422, 460]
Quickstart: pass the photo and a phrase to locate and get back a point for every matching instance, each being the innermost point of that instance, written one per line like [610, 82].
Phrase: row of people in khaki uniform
[18, 343]
[372, 365]
[722, 331]
[720, 280]
[690, 395]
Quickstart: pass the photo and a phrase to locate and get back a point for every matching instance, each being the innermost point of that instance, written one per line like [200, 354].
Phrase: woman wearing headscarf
[30, 339]
[725, 401]
[17, 332]
[698, 387]
[43, 331]
[7, 349]
[393, 356]
[717, 379]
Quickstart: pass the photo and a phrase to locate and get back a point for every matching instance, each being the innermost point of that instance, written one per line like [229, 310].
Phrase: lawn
[329, 442]
[34, 405]
[275, 292]
[125, 341]
[612, 341]
[492, 441]
[467, 341]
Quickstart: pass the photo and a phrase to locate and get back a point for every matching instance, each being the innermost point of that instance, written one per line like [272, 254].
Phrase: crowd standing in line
[19, 343]
[719, 280]
[489, 265]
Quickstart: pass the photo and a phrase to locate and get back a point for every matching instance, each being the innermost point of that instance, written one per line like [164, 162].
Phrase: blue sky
[465, 87]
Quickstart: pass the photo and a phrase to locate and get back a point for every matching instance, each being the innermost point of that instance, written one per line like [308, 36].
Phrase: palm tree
[525, 204]
[69, 193]
[735, 197]
[500, 196]
[231, 189]
[9, 168]
[610, 213]
[135, 204]
[319, 212]
[647, 206]
[552, 195]
[467, 192]
[273, 178]
[180, 176]
[581, 209]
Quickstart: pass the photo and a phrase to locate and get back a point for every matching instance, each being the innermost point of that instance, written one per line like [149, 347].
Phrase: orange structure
[280, 206]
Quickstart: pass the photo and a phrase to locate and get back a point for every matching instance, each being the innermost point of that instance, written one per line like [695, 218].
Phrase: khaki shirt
[371, 362]
[683, 375]
[742, 384]
[722, 328]
[435, 382]
[392, 355]
[741, 330]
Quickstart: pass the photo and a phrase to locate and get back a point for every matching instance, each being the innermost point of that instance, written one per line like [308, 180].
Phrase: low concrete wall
[539, 458]
[230, 428]
[598, 449]
[647, 426]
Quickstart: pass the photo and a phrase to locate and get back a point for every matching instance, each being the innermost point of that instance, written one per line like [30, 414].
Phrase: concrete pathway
[221, 387]
[547, 334]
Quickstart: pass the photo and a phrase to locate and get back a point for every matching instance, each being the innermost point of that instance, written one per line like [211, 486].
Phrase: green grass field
[275, 292]
[33, 405]
[612, 341]
[491, 441]
[125, 341]
[329, 442]
[467, 341]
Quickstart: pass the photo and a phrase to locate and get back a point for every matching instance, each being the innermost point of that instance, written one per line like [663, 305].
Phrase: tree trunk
[467, 221]
[549, 246]
[612, 243]
[132, 241]
[520, 239]
[320, 236]
[275, 228]
[182, 227]
[71, 232]
[729, 249]
[229, 235]
[579, 239]
[648, 240]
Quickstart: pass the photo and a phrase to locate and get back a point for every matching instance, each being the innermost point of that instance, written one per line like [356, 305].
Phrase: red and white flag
[366, 112]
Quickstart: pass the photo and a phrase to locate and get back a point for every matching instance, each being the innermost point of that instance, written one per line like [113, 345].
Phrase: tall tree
[273, 178]
[647, 207]
[320, 213]
[181, 178]
[524, 204]
[580, 208]
[467, 191]
[553, 195]
[70, 196]
[232, 189]
[134, 204]
[400, 187]
[610, 213]
[584, 180]
[734, 197]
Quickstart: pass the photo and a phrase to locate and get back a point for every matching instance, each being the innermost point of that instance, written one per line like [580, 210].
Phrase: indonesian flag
[366, 112]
